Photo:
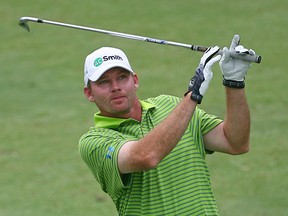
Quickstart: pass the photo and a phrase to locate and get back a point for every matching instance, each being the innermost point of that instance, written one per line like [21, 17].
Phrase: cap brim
[97, 74]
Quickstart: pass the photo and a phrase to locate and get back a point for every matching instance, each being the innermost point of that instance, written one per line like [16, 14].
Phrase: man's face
[114, 92]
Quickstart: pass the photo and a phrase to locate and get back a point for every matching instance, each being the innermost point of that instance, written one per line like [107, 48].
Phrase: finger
[235, 42]
[241, 49]
[206, 51]
[208, 55]
[213, 50]
[252, 52]
[212, 61]
[225, 56]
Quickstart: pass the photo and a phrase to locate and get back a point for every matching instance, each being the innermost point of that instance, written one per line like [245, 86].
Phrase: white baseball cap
[103, 59]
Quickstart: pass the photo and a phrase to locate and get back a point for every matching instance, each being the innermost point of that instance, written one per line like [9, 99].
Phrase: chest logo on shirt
[109, 153]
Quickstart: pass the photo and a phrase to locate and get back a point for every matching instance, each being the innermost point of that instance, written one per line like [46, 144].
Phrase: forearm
[164, 137]
[237, 121]
[147, 152]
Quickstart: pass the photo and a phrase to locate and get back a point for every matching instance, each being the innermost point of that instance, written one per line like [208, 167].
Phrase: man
[149, 155]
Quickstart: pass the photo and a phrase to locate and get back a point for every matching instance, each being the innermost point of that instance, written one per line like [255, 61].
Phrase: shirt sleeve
[99, 150]
[206, 123]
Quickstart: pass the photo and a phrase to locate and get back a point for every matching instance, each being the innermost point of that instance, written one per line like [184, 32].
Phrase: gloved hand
[203, 74]
[234, 70]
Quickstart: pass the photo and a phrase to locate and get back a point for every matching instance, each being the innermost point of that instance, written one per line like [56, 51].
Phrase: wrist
[233, 83]
[194, 97]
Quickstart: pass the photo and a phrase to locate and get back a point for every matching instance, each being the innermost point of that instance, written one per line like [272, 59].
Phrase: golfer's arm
[232, 135]
[147, 152]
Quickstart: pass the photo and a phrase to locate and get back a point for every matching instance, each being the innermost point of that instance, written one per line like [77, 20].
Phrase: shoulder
[164, 99]
[98, 132]
[98, 137]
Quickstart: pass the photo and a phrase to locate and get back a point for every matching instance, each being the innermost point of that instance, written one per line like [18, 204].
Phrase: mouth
[117, 98]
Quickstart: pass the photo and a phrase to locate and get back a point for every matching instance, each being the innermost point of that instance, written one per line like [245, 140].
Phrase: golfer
[149, 155]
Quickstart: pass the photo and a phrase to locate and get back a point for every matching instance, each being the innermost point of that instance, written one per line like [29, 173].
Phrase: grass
[43, 110]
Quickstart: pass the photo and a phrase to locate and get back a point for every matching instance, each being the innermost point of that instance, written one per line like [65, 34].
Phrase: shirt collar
[113, 123]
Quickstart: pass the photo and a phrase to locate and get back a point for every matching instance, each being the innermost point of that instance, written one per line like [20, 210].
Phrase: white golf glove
[234, 70]
[203, 74]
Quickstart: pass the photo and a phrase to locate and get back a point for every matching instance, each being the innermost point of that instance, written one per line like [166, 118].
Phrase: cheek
[98, 97]
[131, 89]
[101, 103]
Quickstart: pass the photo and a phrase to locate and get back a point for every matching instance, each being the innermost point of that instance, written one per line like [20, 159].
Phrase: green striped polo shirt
[179, 185]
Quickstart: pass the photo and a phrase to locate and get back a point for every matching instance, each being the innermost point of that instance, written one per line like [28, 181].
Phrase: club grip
[247, 57]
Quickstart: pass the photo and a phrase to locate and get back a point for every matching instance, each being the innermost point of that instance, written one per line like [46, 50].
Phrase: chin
[121, 111]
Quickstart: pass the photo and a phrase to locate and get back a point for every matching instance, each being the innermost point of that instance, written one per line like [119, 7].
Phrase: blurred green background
[43, 111]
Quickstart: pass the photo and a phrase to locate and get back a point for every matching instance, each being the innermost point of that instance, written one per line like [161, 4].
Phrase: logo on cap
[98, 62]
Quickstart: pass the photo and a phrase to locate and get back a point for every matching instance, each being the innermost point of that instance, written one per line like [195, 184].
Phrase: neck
[135, 112]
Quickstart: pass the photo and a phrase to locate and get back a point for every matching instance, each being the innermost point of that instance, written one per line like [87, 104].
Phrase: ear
[88, 94]
[136, 80]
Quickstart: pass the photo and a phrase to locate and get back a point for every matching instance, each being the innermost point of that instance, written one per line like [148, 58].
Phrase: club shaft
[247, 57]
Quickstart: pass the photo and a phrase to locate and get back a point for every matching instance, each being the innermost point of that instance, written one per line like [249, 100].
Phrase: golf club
[23, 22]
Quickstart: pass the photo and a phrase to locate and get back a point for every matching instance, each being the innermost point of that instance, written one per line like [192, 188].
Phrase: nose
[115, 86]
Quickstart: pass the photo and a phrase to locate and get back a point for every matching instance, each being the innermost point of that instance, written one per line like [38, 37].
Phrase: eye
[123, 76]
[102, 82]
